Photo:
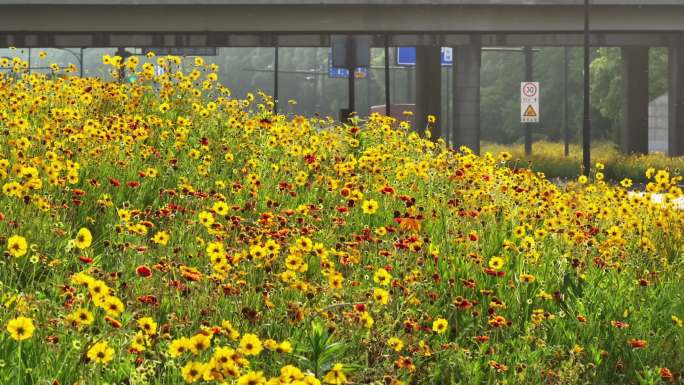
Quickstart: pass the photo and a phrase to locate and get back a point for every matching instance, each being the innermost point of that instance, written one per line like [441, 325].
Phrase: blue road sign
[334, 72]
[406, 56]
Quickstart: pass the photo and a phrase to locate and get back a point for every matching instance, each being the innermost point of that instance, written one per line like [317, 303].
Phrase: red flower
[148, 299]
[114, 182]
[143, 271]
[387, 190]
[637, 344]
[113, 322]
[85, 259]
[494, 273]
[133, 184]
[666, 374]
[481, 339]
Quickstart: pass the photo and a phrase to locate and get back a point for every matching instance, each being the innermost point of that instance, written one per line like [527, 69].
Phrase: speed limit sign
[529, 102]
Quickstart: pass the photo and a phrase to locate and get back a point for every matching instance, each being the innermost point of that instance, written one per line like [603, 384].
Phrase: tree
[607, 81]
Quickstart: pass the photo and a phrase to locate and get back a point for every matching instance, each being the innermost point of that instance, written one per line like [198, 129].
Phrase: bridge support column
[428, 88]
[675, 136]
[466, 89]
[634, 130]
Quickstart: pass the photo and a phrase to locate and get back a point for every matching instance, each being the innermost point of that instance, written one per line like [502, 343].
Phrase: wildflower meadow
[165, 231]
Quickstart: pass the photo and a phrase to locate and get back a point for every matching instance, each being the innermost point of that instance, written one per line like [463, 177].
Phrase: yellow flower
[179, 346]
[527, 278]
[206, 218]
[81, 317]
[250, 345]
[199, 342]
[192, 371]
[113, 306]
[284, 347]
[382, 277]
[21, 328]
[17, 246]
[677, 321]
[220, 208]
[614, 232]
[335, 375]
[83, 239]
[230, 330]
[100, 353]
[519, 231]
[381, 296]
[582, 179]
[440, 325]
[626, 183]
[496, 263]
[270, 344]
[367, 320]
[148, 325]
[335, 280]
[161, 238]
[252, 378]
[140, 342]
[396, 344]
[369, 206]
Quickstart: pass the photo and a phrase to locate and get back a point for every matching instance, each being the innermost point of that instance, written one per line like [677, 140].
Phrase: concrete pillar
[466, 89]
[634, 130]
[428, 88]
[675, 136]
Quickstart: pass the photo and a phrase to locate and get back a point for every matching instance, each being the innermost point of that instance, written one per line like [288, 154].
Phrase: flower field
[166, 232]
[548, 157]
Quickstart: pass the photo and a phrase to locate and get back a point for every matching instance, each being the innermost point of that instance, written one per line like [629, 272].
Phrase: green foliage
[321, 353]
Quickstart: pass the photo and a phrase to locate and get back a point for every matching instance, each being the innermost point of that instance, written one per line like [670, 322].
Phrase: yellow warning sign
[530, 112]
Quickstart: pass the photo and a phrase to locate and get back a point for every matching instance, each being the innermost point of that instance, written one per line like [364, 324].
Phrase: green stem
[19, 374]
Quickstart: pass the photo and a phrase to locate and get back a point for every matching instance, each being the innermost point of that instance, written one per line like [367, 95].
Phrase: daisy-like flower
[440, 325]
[21, 328]
[250, 345]
[17, 246]
[83, 239]
[100, 353]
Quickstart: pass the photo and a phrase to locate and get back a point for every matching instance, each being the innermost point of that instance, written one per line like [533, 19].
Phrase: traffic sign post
[529, 102]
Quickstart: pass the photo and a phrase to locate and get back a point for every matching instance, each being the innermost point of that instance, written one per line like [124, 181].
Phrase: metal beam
[390, 17]
[220, 39]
